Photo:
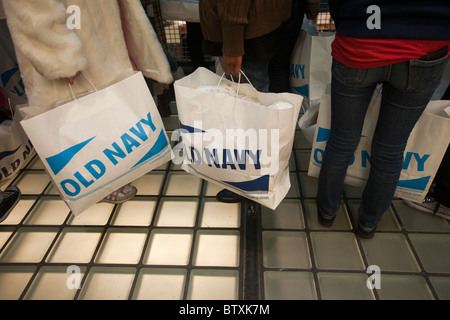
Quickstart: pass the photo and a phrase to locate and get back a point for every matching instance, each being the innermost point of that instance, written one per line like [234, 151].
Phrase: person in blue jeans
[404, 47]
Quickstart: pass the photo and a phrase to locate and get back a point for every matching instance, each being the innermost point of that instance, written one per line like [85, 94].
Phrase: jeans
[258, 74]
[407, 89]
[255, 62]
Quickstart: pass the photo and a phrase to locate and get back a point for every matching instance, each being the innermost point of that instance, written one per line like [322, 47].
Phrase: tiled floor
[175, 241]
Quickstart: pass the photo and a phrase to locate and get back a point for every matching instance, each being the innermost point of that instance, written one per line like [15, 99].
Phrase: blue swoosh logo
[302, 90]
[60, 160]
[323, 134]
[190, 129]
[5, 154]
[259, 184]
[7, 75]
[416, 184]
[160, 144]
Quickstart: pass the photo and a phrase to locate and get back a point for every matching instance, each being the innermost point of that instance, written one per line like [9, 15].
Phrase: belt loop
[387, 72]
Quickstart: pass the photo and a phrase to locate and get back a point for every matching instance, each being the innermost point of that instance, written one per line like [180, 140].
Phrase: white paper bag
[236, 137]
[96, 144]
[15, 149]
[310, 73]
[308, 122]
[424, 151]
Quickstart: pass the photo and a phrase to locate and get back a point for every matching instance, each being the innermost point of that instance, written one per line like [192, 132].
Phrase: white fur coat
[48, 51]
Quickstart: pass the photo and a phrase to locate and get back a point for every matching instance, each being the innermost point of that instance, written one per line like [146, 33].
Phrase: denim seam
[387, 73]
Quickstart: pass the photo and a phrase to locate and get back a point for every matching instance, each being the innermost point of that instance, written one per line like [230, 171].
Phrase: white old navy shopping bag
[16, 149]
[236, 137]
[310, 68]
[423, 154]
[95, 144]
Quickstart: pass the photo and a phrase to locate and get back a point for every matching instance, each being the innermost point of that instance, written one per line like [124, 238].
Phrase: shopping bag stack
[310, 74]
[236, 137]
[97, 143]
[15, 148]
[10, 80]
[424, 151]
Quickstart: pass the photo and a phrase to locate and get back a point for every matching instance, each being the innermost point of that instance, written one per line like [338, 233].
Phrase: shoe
[430, 205]
[364, 232]
[323, 220]
[121, 195]
[8, 200]
[228, 196]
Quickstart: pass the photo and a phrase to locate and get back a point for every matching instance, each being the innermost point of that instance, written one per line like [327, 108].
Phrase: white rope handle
[246, 77]
[11, 107]
[86, 77]
[239, 81]
[232, 80]
[71, 90]
[221, 78]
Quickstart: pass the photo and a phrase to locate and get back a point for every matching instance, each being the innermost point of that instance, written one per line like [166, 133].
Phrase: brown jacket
[232, 21]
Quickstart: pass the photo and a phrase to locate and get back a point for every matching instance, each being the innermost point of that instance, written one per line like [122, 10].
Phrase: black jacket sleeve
[335, 7]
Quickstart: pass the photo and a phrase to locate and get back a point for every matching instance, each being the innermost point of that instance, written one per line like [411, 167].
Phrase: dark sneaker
[430, 205]
[364, 232]
[228, 196]
[324, 220]
[121, 195]
[8, 200]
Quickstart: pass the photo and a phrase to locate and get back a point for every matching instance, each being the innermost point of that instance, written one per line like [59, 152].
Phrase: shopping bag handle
[13, 110]
[237, 91]
[90, 82]
[239, 81]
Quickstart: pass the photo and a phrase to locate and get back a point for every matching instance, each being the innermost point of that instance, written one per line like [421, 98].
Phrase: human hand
[231, 65]
[311, 15]
[71, 80]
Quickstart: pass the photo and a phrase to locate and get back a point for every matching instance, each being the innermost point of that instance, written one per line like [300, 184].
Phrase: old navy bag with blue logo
[423, 154]
[16, 149]
[234, 136]
[95, 144]
[310, 65]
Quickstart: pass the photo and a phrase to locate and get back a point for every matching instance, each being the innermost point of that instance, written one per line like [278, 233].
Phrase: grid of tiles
[303, 260]
[172, 241]
[175, 241]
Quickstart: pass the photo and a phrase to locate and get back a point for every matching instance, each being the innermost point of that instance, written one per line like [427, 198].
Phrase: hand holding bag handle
[236, 97]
